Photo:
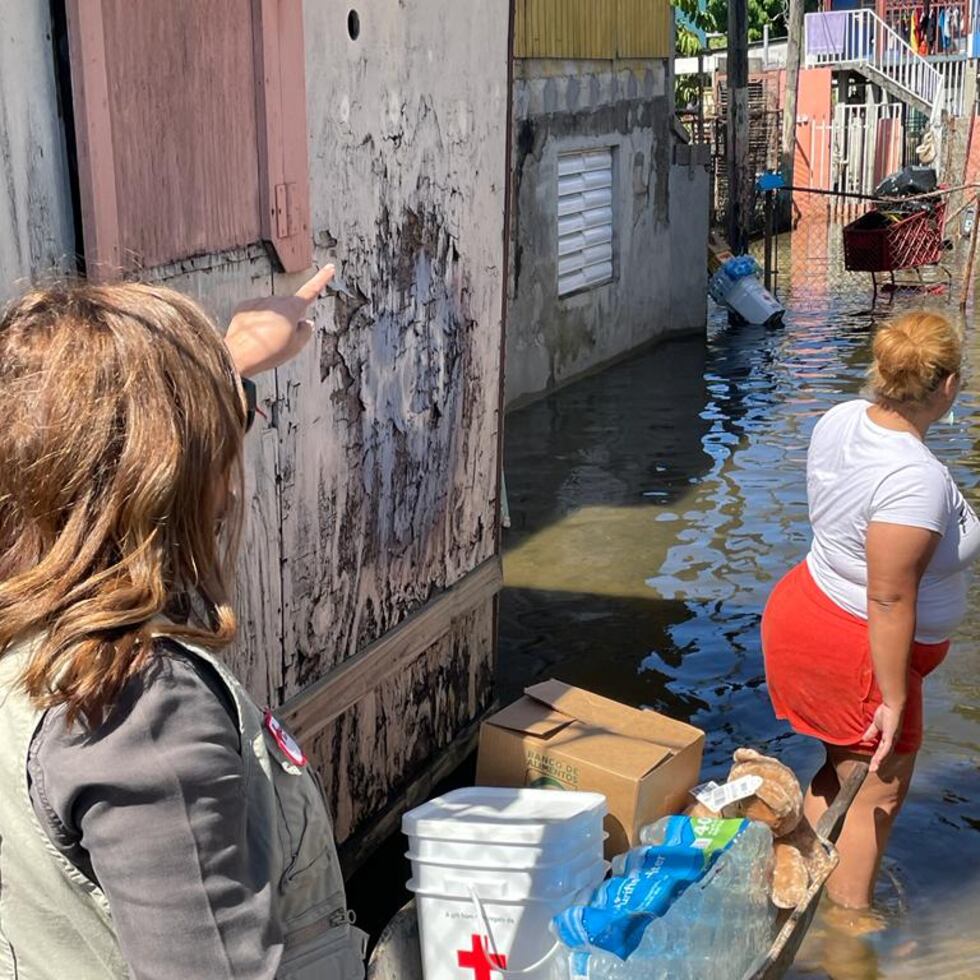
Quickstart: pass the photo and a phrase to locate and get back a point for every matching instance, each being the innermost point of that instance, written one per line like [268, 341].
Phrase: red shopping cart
[888, 239]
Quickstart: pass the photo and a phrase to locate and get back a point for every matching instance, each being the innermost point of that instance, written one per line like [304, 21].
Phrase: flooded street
[654, 506]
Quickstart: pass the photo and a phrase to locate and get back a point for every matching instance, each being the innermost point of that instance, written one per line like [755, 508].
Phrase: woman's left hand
[270, 331]
[885, 726]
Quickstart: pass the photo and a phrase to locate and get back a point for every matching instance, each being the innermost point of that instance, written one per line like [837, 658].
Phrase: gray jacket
[56, 919]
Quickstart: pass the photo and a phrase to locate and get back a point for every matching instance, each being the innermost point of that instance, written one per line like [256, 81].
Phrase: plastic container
[544, 881]
[491, 815]
[752, 302]
[479, 854]
[719, 286]
[479, 909]
[454, 939]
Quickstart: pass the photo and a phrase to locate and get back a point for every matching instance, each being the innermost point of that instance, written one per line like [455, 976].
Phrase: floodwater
[654, 506]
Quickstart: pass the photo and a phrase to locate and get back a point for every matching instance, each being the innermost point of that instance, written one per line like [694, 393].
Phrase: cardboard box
[561, 737]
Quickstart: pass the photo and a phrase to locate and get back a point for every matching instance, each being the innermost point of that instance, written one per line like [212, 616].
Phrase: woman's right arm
[897, 557]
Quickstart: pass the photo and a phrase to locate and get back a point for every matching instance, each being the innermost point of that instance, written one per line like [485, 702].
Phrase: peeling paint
[388, 453]
[372, 485]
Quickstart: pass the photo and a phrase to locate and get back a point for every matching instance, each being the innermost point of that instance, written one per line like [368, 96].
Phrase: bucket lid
[506, 816]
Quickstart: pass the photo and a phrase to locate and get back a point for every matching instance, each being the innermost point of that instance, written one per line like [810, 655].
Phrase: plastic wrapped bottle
[716, 927]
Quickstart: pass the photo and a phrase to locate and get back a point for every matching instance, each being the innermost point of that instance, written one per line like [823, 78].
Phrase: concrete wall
[660, 221]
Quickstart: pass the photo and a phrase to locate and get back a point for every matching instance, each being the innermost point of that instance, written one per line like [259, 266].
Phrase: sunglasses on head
[251, 402]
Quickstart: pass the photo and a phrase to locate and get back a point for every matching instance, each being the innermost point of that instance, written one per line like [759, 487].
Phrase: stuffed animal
[778, 803]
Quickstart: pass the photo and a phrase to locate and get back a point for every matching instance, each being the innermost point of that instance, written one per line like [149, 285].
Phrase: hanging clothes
[955, 26]
[923, 32]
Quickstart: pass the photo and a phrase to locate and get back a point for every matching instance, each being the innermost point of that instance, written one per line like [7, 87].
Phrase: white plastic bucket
[492, 815]
[752, 302]
[480, 854]
[546, 881]
[465, 940]
[491, 869]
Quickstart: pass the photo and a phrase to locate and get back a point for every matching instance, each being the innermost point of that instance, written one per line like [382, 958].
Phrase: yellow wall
[592, 29]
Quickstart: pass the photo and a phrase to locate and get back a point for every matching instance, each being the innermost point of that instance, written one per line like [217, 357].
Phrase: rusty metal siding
[593, 29]
[645, 29]
[565, 28]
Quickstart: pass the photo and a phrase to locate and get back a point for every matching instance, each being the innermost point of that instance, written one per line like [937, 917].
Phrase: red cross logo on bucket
[479, 960]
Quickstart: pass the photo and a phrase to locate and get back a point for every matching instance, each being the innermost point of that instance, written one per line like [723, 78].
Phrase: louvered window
[585, 220]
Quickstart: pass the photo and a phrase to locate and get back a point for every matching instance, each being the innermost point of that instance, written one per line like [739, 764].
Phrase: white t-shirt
[859, 472]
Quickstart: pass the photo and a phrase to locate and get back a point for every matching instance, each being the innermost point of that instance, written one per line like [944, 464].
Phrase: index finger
[315, 285]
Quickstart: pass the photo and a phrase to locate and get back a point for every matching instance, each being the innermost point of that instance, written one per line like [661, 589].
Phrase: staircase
[862, 41]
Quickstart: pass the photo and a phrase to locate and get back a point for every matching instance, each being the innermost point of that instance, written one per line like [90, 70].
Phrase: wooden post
[739, 171]
[701, 95]
[767, 253]
[787, 156]
[959, 143]
[971, 255]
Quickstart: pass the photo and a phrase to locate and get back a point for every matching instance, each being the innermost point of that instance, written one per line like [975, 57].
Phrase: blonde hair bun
[913, 355]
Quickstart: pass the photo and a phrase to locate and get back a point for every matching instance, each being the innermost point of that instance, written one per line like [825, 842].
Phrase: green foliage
[688, 44]
[714, 18]
[687, 92]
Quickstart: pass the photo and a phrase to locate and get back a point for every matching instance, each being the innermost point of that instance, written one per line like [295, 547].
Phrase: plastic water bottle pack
[691, 904]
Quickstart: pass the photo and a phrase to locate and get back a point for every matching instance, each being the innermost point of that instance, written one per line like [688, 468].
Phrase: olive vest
[56, 923]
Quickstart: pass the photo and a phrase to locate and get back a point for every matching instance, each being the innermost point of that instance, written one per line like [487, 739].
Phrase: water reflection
[654, 506]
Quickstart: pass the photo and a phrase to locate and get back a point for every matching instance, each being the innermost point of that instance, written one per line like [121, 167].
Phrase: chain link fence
[820, 258]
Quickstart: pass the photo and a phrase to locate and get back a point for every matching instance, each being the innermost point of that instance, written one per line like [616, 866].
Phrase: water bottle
[717, 925]
[726, 918]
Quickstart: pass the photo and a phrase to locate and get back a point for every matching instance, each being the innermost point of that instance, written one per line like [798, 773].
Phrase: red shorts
[819, 670]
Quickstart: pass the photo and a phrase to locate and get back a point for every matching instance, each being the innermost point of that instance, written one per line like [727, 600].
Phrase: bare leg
[821, 791]
[867, 827]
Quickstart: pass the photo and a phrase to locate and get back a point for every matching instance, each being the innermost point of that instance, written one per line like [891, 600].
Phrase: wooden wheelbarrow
[397, 955]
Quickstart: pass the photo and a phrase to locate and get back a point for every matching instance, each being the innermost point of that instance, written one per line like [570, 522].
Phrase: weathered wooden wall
[373, 482]
[178, 111]
[390, 427]
[36, 231]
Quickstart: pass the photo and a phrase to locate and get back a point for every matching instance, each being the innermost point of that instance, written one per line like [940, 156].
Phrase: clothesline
[930, 28]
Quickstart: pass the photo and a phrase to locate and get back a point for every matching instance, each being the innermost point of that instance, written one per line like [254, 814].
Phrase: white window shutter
[585, 219]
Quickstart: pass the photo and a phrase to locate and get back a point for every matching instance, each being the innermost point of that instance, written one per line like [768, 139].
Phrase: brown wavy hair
[913, 355]
[120, 458]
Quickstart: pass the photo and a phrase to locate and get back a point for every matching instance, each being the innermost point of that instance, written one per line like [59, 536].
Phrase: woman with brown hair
[850, 634]
[155, 823]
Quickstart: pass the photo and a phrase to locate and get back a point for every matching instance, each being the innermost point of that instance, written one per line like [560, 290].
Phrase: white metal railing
[868, 144]
[862, 40]
[954, 74]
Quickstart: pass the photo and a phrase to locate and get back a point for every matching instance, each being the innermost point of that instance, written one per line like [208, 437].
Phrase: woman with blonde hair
[154, 822]
[849, 634]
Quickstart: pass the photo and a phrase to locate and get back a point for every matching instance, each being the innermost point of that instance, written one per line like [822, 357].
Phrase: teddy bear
[778, 803]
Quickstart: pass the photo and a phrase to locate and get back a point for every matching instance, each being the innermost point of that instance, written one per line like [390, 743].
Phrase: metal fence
[811, 262]
[861, 144]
